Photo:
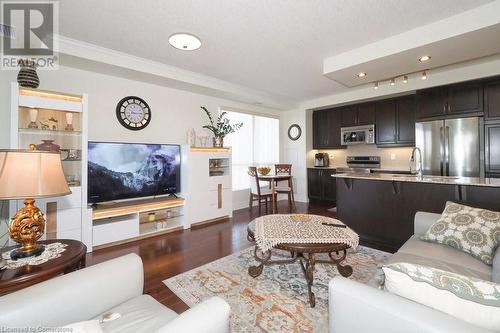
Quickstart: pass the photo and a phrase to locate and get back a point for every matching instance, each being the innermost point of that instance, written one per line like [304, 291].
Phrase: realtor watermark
[28, 34]
[33, 329]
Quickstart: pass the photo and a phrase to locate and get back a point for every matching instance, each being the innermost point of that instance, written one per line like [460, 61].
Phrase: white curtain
[255, 144]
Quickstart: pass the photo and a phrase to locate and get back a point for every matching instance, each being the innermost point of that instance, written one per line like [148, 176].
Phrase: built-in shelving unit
[209, 184]
[123, 222]
[48, 120]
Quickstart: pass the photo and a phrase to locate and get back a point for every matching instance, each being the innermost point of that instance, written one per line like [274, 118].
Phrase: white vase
[33, 117]
[191, 137]
[69, 121]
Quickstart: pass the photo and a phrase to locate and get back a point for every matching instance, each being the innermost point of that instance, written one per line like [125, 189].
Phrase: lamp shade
[31, 174]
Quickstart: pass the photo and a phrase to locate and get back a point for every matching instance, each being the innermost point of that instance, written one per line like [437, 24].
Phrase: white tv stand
[128, 221]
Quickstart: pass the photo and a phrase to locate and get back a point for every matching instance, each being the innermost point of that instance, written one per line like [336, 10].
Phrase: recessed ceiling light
[393, 82]
[405, 79]
[424, 58]
[184, 41]
[362, 74]
[424, 75]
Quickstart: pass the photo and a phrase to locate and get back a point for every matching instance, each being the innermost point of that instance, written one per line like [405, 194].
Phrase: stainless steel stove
[360, 164]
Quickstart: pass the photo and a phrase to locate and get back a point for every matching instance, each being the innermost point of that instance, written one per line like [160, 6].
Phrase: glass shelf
[39, 131]
[218, 167]
[69, 142]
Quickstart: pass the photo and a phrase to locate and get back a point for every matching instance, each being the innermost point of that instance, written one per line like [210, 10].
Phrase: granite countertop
[374, 170]
[472, 181]
[328, 167]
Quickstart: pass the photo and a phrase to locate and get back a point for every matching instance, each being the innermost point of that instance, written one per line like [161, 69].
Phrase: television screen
[131, 170]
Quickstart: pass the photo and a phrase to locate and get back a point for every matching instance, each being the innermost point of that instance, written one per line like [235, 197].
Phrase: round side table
[70, 260]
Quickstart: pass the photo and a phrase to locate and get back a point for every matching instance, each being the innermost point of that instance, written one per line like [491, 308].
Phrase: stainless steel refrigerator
[451, 147]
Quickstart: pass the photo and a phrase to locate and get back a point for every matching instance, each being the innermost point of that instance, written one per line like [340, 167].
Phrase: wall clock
[133, 113]
[294, 132]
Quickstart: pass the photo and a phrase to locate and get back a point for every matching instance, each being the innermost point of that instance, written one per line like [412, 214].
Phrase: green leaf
[223, 126]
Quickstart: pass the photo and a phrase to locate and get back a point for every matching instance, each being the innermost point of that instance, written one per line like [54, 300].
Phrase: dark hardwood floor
[171, 254]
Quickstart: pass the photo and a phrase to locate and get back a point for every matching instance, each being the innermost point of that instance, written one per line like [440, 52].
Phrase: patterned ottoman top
[272, 230]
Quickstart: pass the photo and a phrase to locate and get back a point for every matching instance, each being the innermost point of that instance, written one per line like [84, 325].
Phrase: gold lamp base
[27, 226]
[20, 253]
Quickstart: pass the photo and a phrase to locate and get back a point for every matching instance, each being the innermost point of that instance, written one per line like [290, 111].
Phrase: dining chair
[285, 187]
[256, 192]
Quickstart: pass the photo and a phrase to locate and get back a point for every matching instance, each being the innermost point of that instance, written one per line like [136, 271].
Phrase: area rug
[277, 300]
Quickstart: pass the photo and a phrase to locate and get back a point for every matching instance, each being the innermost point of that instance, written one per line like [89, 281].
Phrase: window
[254, 144]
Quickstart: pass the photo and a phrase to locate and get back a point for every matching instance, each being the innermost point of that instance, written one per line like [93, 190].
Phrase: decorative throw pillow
[495, 271]
[469, 299]
[472, 230]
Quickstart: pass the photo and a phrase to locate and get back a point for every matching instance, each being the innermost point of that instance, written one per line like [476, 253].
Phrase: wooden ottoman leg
[255, 271]
[308, 270]
[346, 270]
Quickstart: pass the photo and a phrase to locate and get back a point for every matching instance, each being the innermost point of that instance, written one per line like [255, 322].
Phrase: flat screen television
[118, 171]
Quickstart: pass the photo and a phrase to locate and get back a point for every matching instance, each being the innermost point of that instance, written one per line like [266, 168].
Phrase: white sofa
[356, 307]
[113, 286]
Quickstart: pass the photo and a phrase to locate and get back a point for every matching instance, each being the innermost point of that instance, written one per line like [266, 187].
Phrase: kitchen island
[381, 207]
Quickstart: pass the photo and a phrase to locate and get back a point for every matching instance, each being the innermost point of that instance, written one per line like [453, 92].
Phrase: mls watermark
[28, 34]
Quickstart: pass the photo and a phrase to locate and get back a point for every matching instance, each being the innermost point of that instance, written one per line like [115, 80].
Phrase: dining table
[273, 178]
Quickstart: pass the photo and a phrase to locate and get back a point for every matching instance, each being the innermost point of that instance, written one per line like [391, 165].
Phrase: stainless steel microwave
[357, 135]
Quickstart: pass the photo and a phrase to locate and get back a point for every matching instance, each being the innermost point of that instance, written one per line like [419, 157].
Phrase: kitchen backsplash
[397, 158]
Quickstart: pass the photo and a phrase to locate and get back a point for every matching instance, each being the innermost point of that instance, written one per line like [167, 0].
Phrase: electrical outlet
[393, 156]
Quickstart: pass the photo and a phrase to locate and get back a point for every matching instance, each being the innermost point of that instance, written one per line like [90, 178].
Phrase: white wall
[294, 151]
[173, 111]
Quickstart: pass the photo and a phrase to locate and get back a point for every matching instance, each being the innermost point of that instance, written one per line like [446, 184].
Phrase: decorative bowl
[264, 170]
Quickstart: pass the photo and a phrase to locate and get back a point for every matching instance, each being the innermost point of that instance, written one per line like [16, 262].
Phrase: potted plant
[221, 128]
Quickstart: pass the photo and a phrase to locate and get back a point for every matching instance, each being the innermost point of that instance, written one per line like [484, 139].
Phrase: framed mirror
[294, 132]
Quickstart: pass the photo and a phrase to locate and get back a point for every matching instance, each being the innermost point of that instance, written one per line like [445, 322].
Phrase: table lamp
[29, 174]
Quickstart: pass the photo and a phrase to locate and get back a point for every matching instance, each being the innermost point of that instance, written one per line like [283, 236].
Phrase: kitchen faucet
[419, 164]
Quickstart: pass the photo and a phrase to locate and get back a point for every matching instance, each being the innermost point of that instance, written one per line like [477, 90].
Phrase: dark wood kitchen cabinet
[320, 129]
[383, 212]
[405, 128]
[492, 100]
[349, 115]
[431, 102]
[326, 129]
[321, 185]
[385, 122]
[314, 186]
[492, 147]
[465, 98]
[358, 115]
[395, 122]
[452, 100]
[366, 114]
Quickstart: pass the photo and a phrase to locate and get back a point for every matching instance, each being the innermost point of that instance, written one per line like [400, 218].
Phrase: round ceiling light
[184, 41]
[424, 58]
[362, 74]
